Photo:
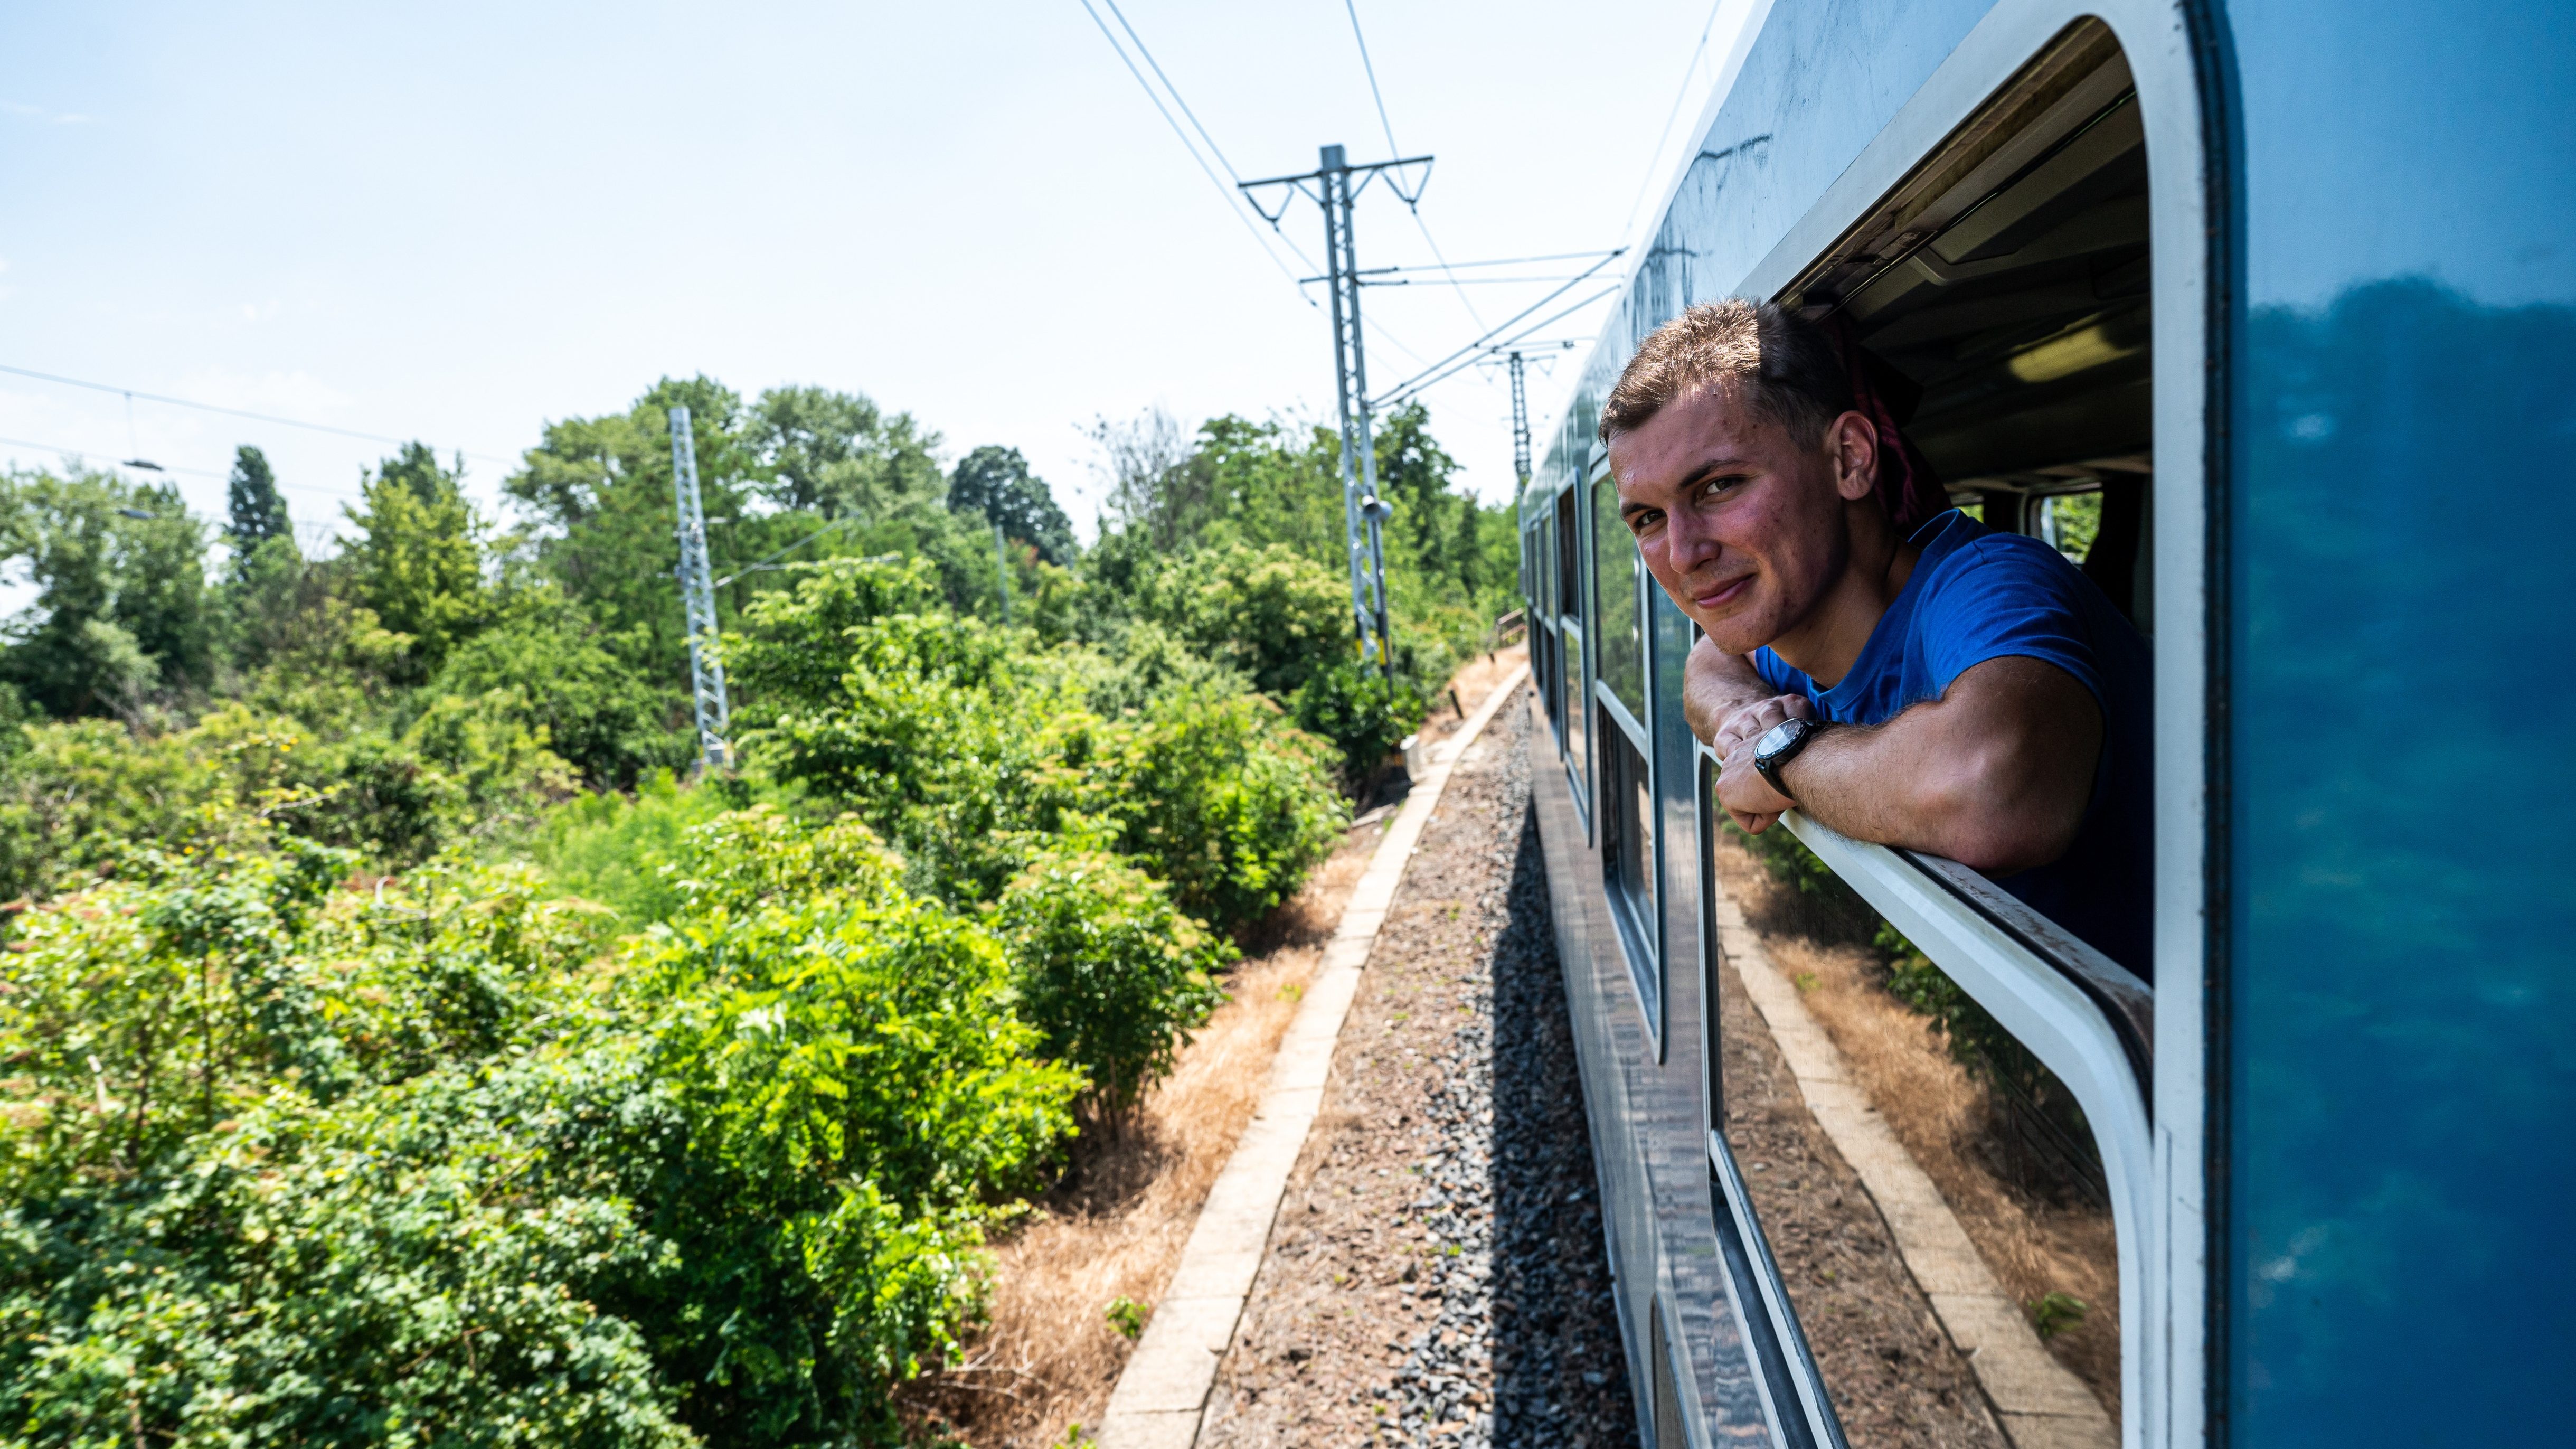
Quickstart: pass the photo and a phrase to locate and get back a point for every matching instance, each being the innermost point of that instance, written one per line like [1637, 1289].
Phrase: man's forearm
[1716, 684]
[1972, 777]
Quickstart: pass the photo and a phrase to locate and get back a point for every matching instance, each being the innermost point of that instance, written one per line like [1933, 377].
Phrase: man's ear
[1853, 442]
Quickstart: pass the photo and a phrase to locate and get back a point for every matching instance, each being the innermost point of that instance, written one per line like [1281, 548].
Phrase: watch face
[1778, 738]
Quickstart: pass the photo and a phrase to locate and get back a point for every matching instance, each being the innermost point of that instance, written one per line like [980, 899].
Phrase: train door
[2012, 251]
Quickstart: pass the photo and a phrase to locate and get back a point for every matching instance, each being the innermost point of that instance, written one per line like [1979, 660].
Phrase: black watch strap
[1779, 745]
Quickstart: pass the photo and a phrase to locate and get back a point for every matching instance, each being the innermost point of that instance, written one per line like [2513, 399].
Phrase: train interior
[2008, 279]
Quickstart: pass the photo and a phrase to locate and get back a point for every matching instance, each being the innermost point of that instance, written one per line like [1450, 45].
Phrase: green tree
[839, 455]
[254, 511]
[995, 484]
[417, 562]
[121, 615]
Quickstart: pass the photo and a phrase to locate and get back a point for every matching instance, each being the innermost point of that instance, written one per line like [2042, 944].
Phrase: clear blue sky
[455, 222]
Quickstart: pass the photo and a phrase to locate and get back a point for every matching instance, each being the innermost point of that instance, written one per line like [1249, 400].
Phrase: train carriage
[2278, 300]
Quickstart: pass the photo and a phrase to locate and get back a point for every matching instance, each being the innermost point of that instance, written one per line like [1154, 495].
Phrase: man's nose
[1689, 542]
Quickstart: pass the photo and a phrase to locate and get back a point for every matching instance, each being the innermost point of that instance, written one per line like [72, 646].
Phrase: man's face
[1740, 522]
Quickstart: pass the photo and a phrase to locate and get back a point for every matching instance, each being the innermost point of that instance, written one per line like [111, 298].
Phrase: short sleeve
[1776, 673]
[2010, 598]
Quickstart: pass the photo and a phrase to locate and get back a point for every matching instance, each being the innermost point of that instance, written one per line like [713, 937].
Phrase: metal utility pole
[1334, 185]
[1520, 424]
[698, 595]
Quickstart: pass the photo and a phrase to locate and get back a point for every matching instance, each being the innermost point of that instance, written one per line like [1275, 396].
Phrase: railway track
[1436, 1273]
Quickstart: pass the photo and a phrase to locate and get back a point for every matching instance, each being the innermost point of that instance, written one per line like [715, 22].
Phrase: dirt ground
[1941, 1114]
[1895, 1379]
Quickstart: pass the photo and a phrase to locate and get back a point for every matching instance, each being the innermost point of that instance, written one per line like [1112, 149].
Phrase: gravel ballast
[1392, 1309]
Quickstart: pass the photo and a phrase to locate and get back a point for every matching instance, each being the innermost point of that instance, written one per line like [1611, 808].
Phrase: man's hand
[1740, 787]
[1715, 684]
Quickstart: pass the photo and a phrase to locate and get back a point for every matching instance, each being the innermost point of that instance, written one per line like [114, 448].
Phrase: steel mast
[698, 597]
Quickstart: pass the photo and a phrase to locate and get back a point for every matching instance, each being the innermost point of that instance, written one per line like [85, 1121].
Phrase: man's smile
[1723, 592]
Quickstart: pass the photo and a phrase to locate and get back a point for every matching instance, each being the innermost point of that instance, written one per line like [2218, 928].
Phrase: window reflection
[1615, 562]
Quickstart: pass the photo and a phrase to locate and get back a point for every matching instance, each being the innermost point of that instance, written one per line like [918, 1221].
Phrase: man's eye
[1642, 523]
[1726, 483]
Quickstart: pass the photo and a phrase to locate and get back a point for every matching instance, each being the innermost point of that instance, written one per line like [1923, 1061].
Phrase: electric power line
[339, 493]
[181, 402]
[1231, 204]
[1369, 67]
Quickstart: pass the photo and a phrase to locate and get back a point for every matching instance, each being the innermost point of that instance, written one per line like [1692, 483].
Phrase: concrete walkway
[1163, 1392]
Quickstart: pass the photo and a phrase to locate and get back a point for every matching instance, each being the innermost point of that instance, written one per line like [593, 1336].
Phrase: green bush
[1108, 970]
[624, 851]
[1269, 612]
[1224, 799]
[1364, 717]
[405, 1163]
[758, 857]
[548, 672]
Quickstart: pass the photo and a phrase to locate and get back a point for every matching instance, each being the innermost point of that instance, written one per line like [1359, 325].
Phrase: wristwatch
[1779, 745]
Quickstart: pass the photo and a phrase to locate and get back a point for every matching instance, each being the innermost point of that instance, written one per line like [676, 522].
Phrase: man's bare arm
[1715, 684]
[1995, 774]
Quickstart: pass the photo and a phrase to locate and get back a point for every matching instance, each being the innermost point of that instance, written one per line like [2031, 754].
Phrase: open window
[2008, 274]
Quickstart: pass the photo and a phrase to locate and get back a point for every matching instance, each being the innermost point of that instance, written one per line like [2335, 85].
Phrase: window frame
[2163, 1123]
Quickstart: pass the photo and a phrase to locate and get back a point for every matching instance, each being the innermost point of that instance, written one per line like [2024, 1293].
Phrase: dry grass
[1942, 1116]
[1114, 1230]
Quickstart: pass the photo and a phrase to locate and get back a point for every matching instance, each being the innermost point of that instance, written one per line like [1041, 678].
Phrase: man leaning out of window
[1878, 660]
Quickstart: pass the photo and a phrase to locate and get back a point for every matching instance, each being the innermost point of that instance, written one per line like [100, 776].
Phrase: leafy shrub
[1224, 799]
[1110, 973]
[856, 1089]
[548, 672]
[614, 849]
[1365, 718]
[402, 1163]
[926, 725]
[1271, 613]
[746, 859]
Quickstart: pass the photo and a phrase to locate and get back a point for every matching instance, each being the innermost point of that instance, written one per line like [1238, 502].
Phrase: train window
[1617, 599]
[1628, 860]
[2008, 276]
[1573, 680]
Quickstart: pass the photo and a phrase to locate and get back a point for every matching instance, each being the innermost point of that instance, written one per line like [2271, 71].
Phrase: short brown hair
[1789, 369]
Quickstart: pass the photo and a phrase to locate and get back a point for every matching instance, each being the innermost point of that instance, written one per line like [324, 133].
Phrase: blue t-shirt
[1977, 595]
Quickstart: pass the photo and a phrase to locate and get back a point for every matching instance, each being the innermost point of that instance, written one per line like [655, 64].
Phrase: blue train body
[2314, 346]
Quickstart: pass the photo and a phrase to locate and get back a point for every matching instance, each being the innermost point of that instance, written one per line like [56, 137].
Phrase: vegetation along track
[1436, 1273]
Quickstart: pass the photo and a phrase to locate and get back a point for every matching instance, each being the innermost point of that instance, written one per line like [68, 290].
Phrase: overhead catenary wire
[1451, 365]
[1412, 204]
[1232, 205]
[1426, 377]
[206, 407]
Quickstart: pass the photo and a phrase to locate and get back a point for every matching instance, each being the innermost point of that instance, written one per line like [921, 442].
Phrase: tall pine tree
[255, 512]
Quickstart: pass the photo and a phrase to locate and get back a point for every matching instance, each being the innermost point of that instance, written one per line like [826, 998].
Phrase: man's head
[1742, 467]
